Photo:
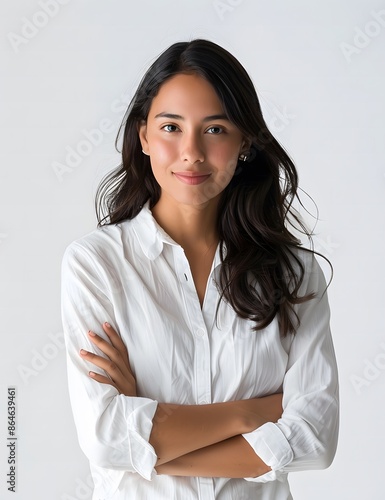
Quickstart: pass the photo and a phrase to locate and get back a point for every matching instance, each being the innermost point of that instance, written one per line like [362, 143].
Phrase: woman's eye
[215, 130]
[170, 128]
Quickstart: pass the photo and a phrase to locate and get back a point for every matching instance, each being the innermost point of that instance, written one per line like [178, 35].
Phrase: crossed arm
[191, 440]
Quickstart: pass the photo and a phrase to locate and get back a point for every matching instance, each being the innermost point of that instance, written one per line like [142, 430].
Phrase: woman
[215, 375]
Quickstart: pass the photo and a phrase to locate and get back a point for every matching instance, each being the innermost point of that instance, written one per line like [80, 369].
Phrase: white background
[319, 70]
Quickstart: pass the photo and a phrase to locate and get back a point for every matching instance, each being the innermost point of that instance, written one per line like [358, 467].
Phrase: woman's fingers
[116, 350]
[124, 382]
[115, 364]
[108, 349]
[105, 364]
[117, 342]
[102, 379]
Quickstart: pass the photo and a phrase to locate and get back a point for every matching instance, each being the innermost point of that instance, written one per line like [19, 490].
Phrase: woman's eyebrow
[172, 116]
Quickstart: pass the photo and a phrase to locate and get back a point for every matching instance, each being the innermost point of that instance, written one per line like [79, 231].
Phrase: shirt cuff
[142, 454]
[270, 444]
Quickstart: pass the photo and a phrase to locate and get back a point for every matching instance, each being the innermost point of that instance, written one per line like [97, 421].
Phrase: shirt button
[200, 332]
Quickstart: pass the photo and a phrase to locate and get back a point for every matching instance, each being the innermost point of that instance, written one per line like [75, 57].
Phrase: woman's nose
[192, 150]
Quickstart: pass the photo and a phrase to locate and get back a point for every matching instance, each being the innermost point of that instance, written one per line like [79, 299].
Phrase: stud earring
[242, 157]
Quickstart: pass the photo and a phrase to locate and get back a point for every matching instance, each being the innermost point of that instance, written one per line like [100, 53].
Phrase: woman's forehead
[186, 93]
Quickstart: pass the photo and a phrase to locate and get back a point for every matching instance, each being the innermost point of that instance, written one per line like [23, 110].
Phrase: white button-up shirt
[137, 278]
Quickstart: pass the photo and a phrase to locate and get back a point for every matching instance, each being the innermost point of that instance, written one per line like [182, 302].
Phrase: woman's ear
[246, 145]
[142, 131]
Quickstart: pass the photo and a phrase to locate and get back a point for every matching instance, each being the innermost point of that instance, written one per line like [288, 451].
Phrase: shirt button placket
[203, 391]
[202, 365]
[202, 369]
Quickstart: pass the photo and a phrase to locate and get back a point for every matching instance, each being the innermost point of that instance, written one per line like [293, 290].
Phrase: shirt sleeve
[305, 437]
[113, 429]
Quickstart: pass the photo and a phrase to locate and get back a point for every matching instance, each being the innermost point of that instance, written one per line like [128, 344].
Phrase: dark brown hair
[261, 273]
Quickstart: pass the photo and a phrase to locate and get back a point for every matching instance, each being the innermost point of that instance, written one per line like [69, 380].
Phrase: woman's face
[192, 145]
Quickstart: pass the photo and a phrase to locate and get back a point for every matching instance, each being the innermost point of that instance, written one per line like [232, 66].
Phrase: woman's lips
[192, 179]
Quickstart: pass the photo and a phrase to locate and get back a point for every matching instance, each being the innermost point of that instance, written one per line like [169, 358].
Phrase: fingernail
[92, 374]
[83, 352]
[107, 325]
[92, 334]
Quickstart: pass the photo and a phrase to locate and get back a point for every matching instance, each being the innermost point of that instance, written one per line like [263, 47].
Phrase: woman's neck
[194, 227]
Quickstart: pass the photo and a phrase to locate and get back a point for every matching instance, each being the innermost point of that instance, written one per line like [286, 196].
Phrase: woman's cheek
[165, 151]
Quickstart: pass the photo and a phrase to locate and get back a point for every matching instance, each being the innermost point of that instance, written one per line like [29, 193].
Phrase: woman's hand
[117, 365]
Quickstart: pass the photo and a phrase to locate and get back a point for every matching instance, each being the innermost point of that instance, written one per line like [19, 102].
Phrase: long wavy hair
[261, 273]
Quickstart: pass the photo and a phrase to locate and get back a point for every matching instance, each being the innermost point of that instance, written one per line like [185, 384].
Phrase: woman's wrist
[257, 411]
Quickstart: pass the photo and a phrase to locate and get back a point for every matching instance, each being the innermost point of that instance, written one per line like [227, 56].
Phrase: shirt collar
[152, 236]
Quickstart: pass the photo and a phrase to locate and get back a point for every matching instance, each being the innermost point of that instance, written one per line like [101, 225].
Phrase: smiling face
[193, 146]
